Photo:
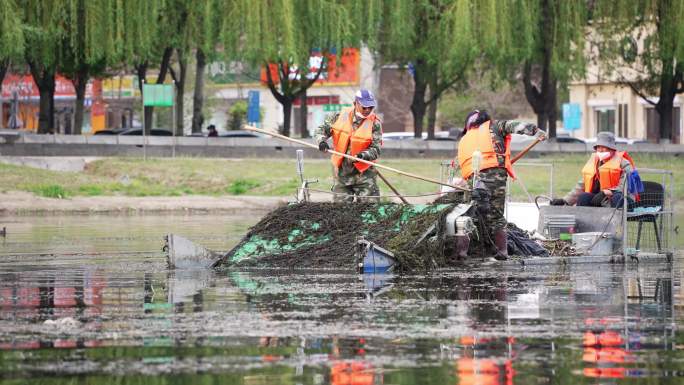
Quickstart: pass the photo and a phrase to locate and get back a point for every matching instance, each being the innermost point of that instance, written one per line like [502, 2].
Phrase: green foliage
[11, 31]
[50, 191]
[241, 186]
[284, 30]
[42, 31]
[90, 190]
[237, 115]
[640, 41]
[439, 33]
[539, 30]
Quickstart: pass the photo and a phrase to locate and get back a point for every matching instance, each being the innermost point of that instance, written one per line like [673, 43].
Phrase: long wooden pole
[391, 187]
[307, 144]
[526, 149]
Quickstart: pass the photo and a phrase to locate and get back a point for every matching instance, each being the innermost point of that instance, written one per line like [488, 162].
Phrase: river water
[89, 300]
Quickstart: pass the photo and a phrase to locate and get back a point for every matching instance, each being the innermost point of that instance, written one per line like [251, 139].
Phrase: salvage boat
[370, 237]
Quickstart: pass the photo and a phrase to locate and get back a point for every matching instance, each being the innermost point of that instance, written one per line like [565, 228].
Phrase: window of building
[605, 119]
[623, 121]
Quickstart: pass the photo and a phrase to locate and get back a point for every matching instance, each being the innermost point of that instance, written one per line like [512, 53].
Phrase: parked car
[399, 135]
[241, 134]
[439, 135]
[111, 131]
[618, 140]
[564, 138]
[153, 132]
[133, 131]
[443, 135]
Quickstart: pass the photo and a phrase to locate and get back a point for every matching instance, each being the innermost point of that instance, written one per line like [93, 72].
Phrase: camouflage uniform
[495, 178]
[349, 182]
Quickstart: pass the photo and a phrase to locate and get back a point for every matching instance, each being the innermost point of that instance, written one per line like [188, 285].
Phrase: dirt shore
[23, 203]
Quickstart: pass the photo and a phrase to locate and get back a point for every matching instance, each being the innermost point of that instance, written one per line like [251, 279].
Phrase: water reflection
[98, 317]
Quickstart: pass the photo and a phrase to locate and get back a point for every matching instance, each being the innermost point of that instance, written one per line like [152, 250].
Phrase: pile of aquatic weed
[324, 235]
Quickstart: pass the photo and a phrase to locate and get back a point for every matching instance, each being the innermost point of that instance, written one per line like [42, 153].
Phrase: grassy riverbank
[277, 177]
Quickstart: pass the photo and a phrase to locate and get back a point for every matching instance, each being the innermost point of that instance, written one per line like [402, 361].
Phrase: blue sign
[253, 113]
[572, 116]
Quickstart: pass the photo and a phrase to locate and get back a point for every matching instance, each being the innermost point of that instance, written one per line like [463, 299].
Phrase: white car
[443, 135]
[398, 135]
[618, 140]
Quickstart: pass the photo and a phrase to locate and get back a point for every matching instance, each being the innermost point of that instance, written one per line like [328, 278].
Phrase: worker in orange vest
[603, 177]
[355, 131]
[487, 142]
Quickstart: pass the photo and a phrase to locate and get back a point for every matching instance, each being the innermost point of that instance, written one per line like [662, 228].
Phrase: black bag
[520, 244]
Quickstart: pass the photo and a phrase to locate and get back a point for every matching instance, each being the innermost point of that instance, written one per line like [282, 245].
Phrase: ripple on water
[132, 317]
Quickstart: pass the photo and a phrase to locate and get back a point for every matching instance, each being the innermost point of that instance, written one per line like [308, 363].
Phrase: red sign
[26, 88]
[346, 73]
[318, 100]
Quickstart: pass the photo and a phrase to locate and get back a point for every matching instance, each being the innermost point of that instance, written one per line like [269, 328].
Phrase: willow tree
[543, 42]
[281, 35]
[208, 18]
[42, 34]
[87, 45]
[641, 44]
[11, 35]
[192, 25]
[437, 41]
[142, 31]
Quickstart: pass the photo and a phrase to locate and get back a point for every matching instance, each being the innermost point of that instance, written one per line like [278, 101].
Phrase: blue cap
[365, 98]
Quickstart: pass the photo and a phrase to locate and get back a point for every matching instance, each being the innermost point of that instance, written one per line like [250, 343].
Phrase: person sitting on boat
[355, 131]
[492, 140]
[603, 177]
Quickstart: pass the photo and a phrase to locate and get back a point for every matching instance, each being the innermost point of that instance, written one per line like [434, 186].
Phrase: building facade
[610, 106]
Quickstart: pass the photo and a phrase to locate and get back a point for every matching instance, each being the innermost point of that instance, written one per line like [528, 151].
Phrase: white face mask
[603, 155]
[359, 115]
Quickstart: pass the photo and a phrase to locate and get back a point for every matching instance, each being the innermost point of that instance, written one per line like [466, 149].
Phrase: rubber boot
[501, 243]
[462, 245]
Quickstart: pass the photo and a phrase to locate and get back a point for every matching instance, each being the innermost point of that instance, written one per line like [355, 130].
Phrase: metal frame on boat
[607, 234]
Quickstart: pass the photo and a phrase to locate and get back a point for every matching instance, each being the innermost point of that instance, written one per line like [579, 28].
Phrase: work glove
[363, 155]
[597, 200]
[323, 146]
[541, 135]
[558, 202]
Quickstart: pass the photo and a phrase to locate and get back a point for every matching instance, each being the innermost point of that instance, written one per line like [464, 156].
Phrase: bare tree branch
[271, 85]
[642, 95]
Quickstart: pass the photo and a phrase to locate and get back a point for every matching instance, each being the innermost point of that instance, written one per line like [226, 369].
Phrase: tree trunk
[432, 107]
[289, 89]
[79, 82]
[303, 113]
[666, 102]
[538, 97]
[198, 97]
[552, 108]
[4, 65]
[418, 106]
[45, 80]
[141, 70]
[180, 91]
[664, 108]
[287, 115]
[542, 97]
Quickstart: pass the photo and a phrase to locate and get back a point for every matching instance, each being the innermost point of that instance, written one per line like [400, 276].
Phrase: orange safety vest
[609, 172]
[344, 135]
[481, 139]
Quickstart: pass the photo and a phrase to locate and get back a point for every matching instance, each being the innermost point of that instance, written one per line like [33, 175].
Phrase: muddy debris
[324, 235]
